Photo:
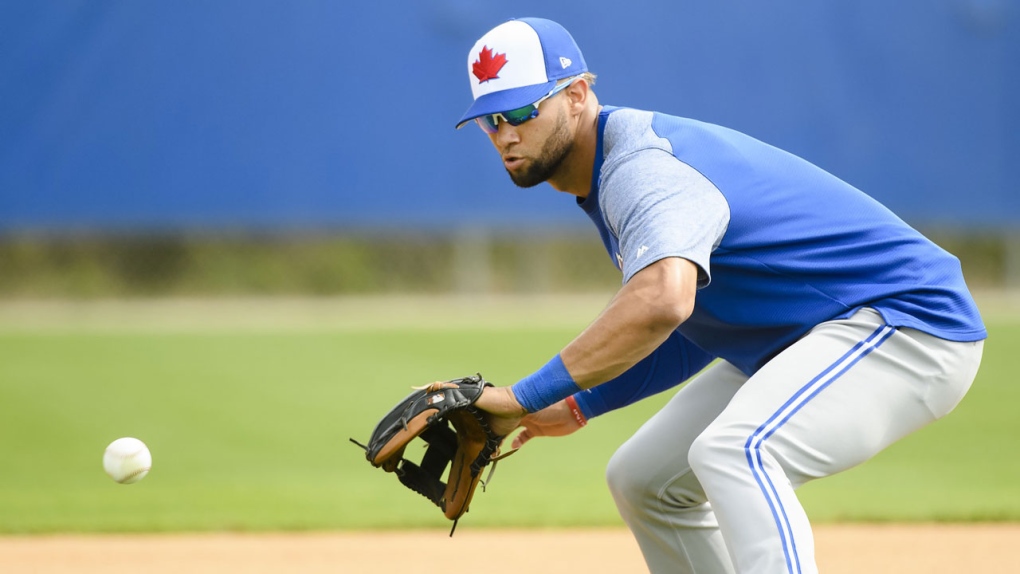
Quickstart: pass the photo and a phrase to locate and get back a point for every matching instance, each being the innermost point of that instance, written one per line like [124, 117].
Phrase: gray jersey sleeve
[658, 207]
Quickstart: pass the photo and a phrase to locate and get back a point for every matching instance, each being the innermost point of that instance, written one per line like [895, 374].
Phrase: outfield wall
[253, 115]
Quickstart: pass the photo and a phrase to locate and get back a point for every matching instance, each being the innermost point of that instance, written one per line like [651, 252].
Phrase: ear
[577, 95]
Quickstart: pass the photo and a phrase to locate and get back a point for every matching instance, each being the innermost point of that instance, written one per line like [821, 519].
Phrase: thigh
[846, 391]
[659, 449]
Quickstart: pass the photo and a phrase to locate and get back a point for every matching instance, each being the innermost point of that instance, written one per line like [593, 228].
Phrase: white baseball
[127, 460]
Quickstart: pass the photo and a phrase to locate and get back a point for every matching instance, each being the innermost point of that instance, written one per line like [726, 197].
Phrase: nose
[505, 135]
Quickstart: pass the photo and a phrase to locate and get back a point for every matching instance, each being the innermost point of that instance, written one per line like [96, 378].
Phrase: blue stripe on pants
[753, 446]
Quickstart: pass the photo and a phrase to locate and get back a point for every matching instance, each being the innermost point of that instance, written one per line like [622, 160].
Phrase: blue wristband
[548, 385]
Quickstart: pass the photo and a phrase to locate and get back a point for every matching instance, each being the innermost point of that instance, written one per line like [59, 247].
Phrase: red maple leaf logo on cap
[487, 66]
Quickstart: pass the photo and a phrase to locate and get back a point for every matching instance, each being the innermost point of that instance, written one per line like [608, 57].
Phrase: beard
[555, 149]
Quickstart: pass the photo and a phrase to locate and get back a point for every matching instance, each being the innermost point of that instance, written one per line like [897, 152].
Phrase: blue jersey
[781, 244]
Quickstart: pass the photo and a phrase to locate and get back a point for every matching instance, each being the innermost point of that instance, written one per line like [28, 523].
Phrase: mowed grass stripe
[364, 313]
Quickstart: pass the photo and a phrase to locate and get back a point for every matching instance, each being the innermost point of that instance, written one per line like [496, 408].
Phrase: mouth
[512, 162]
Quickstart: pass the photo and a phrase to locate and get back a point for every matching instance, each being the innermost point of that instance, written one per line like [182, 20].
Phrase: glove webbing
[426, 479]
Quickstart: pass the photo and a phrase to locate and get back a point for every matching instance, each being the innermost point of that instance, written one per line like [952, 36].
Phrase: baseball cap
[518, 62]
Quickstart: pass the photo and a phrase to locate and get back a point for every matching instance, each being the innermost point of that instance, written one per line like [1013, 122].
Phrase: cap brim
[505, 100]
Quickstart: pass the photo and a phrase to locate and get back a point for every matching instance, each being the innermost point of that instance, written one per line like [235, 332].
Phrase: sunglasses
[490, 123]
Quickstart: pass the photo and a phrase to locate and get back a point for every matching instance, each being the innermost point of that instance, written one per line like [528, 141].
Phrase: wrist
[575, 411]
[590, 404]
[546, 386]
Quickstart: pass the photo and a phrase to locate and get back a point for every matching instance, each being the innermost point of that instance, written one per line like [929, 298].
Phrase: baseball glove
[466, 448]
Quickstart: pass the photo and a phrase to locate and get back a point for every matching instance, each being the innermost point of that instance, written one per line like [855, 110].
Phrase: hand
[554, 420]
[501, 403]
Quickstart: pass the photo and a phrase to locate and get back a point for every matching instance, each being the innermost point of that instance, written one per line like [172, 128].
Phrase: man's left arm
[668, 218]
[642, 315]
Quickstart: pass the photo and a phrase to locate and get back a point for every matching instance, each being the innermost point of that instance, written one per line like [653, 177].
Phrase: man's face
[533, 151]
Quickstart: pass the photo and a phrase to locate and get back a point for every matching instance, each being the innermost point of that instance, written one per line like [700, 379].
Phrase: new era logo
[565, 62]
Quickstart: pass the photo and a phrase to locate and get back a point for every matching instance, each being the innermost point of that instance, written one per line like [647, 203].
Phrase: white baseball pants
[707, 484]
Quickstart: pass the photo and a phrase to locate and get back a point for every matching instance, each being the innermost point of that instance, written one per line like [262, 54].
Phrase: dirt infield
[841, 550]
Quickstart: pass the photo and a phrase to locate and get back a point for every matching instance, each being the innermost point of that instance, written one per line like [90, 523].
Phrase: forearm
[675, 361]
[634, 324]
[637, 321]
[641, 316]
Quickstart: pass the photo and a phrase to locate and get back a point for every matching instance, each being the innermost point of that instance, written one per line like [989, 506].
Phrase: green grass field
[248, 422]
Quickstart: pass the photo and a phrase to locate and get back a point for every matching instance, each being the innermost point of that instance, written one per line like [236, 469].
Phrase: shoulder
[627, 131]
[636, 156]
[643, 181]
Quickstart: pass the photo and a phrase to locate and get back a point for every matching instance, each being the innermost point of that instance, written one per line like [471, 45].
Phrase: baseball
[127, 460]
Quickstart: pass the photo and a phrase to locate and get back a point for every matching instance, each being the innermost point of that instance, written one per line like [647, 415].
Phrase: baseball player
[814, 326]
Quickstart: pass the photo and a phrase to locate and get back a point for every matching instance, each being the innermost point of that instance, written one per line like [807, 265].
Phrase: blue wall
[256, 114]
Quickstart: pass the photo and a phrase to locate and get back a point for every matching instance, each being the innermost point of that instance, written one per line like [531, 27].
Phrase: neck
[574, 175]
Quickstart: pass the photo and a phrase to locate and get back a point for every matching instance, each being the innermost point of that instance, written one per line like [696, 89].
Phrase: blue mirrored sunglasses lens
[521, 115]
[488, 124]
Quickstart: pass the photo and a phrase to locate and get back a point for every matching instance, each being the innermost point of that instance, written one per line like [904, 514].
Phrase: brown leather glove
[457, 433]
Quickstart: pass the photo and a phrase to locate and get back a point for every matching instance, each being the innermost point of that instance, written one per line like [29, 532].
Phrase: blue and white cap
[518, 62]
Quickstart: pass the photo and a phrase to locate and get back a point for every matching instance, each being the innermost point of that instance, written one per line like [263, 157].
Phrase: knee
[625, 478]
[637, 483]
[718, 449]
